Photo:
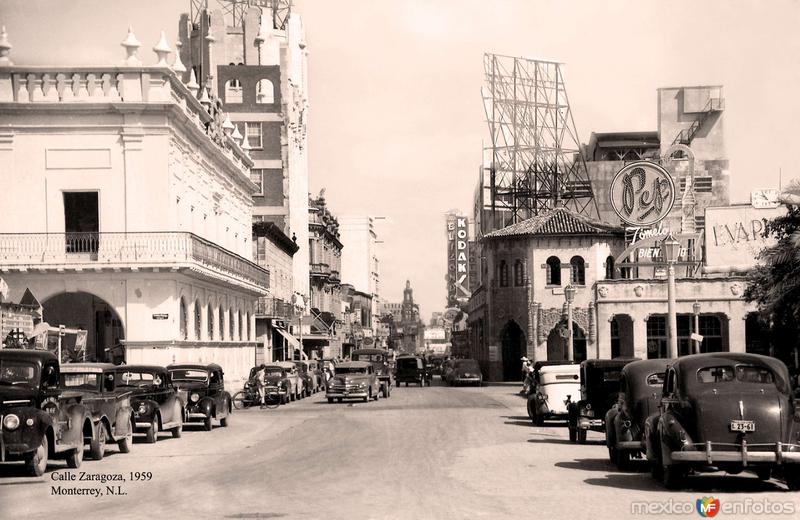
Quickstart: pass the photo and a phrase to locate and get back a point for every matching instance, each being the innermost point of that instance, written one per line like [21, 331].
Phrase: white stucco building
[360, 264]
[127, 210]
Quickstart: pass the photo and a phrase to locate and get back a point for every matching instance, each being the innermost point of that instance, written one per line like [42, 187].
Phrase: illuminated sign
[642, 193]
[457, 259]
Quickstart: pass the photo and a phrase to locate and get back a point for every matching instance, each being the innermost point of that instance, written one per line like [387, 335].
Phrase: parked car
[155, 402]
[353, 379]
[725, 411]
[38, 421]
[410, 369]
[599, 391]
[380, 364]
[447, 366]
[436, 362]
[298, 389]
[110, 408]
[309, 380]
[315, 370]
[465, 372]
[639, 396]
[553, 387]
[276, 380]
[202, 390]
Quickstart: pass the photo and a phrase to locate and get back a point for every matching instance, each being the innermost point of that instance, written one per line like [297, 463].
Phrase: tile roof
[559, 221]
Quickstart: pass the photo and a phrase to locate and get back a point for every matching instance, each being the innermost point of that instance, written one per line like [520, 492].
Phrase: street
[435, 452]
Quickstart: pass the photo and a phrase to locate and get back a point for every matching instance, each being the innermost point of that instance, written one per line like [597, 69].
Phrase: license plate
[743, 426]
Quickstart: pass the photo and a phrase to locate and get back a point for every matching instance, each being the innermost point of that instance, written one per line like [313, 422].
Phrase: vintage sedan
[465, 372]
[380, 364]
[410, 369]
[292, 373]
[110, 407]
[553, 387]
[155, 402]
[639, 396]
[37, 421]
[309, 378]
[599, 392]
[202, 390]
[725, 411]
[353, 379]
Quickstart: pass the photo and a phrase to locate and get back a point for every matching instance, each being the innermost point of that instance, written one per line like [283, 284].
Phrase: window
[577, 271]
[197, 330]
[210, 316]
[253, 133]
[610, 268]
[265, 91]
[233, 91]
[553, 271]
[656, 337]
[257, 176]
[241, 327]
[615, 342]
[503, 274]
[221, 315]
[81, 222]
[183, 319]
[231, 336]
[519, 273]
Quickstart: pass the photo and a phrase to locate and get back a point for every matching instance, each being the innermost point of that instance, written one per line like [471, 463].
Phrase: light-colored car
[553, 387]
[298, 390]
[353, 379]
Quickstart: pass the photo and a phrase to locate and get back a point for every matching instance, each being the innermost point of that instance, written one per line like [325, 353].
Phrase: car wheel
[75, 457]
[338, 399]
[37, 463]
[538, 419]
[369, 396]
[530, 411]
[151, 435]
[581, 434]
[207, 423]
[573, 434]
[612, 455]
[377, 395]
[792, 477]
[224, 422]
[671, 475]
[124, 444]
[97, 447]
[386, 391]
[330, 400]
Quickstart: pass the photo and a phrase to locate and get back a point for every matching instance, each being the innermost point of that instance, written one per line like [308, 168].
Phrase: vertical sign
[457, 259]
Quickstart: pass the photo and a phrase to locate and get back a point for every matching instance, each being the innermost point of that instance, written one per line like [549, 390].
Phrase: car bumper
[467, 379]
[629, 445]
[587, 423]
[196, 415]
[355, 393]
[707, 455]
[15, 451]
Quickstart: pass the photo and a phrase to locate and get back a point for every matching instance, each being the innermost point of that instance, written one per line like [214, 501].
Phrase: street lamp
[696, 309]
[671, 248]
[569, 294]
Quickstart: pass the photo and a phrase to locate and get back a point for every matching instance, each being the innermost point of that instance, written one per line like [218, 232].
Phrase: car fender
[612, 433]
[651, 440]
[671, 432]
[152, 409]
[122, 420]
[72, 432]
[208, 406]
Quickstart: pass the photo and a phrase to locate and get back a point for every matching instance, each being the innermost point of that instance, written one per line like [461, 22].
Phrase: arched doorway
[513, 342]
[557, 343]
[81, 310]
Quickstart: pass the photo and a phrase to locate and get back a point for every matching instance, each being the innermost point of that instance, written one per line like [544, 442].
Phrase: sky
[396, 120]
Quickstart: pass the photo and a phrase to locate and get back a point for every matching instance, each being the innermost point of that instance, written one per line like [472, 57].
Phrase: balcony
[335, 276]
[268, 307]
[174, 251]
[320, 270]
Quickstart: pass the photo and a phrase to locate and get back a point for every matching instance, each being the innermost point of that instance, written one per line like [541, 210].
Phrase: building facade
[360, 264]
[128, 211]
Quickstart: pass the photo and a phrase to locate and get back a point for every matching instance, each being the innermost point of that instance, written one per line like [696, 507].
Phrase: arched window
[233, 91]
[553, 271]
[197, 330]
[221, 315]
[241, 326]
[247, 326]
[577, 270]
[183, 320]
[503, 274]
[519, 273]
[610, 268]
[210, 325]
[265, 91]
[231, 337]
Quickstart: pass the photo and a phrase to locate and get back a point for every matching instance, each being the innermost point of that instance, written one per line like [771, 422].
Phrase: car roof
[139, 368]
[602, 363]
[354, 364]
[369, 351]
[94, 367]
[696, 361]
[282, 364]
[39, 356]
[540, 364]
[560, 369]
[210, 366]
[646, 366]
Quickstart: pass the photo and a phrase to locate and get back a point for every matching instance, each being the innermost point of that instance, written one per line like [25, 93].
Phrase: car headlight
[11, 422]
[194, 397]
[142, 408]
[362, 385]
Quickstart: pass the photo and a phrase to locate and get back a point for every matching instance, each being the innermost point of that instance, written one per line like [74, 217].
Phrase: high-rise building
[360, 264]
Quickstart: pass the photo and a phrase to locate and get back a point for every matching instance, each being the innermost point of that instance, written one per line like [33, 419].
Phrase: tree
[775, 283]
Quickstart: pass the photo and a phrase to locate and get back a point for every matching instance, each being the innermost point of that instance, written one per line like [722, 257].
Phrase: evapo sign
[736, 234]
[642, 193]
[457, 259]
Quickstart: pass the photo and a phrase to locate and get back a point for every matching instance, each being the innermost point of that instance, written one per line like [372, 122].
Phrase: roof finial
[178, 67]
[131, 45]
[192, 85]
[5, 48]
[162, 50]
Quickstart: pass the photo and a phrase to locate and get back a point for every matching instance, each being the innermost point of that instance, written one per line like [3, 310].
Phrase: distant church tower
[412, 330]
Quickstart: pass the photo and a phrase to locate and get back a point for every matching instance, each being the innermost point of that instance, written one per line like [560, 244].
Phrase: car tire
[573, 434]
[37, 463]
[792, 477]
[369, 396]
[75, 458]
[330, 400]
[97, 446]
[581, 436]
[385, 391]
[338, 399]
[208, 423]
[672, 475]
[538, 419]
[124, 444]
[377, 395]
[151, 435]
[224, 422]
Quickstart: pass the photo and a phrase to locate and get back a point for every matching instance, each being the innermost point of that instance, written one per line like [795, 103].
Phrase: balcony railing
[320, 270]
[274, 308]
[335, 275]
[126, 250]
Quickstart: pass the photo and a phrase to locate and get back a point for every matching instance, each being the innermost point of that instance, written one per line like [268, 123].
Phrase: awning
[291, 339]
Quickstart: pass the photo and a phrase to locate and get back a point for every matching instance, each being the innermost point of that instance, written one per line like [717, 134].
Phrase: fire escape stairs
[686, 135]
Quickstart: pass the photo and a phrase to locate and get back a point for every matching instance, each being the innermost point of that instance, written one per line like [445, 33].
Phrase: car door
[215, 389]
[161, 395]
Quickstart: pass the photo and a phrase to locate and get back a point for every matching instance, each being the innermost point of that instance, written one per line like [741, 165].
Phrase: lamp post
[670, 248]
[569, 295]
[696, 309]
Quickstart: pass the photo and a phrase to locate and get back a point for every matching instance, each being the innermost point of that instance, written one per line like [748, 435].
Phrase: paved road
[424, 453]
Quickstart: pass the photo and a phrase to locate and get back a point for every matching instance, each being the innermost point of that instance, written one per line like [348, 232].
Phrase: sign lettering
[642, 193]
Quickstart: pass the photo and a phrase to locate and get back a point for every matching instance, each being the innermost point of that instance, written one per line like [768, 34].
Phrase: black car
[155, 402]
[411, 369]
[725, 411]
[639, 396]
[379, 358]
[599, 392]
[38, 420]
[110, 407]
[202, 389]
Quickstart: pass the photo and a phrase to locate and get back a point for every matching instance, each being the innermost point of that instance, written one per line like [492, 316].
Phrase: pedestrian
[261, 375]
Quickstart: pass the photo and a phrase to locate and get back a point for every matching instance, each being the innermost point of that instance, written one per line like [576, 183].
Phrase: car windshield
[273, 370]
[367, 357]
[467, 364]
[611, 375]
[14, 372]
[188, 374]
[88, 381]
[137, 379]
[351, 370]
[407, 363]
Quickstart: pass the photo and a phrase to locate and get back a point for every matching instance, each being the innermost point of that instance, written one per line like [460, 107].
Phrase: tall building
[128, 211]
[411, 327]
[255, 60]
[360, 264]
